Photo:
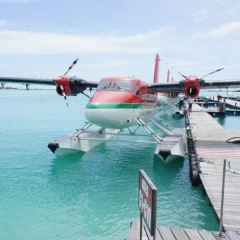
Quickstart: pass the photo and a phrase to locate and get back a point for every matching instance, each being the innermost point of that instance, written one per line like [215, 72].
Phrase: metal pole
[140, 226]
[223, 187]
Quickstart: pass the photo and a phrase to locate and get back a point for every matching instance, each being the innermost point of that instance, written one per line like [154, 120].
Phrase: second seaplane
[121, 103]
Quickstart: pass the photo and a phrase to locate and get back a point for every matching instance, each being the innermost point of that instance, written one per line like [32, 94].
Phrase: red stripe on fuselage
[112, 96]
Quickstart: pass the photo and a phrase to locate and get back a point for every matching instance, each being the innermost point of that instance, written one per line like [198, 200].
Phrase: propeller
[62, 88]
[199, 78]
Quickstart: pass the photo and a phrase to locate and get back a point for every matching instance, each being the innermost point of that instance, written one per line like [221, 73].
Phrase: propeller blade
[182, 75]
[211, 73]
[64, 95]
[71, 66]
[176, 70]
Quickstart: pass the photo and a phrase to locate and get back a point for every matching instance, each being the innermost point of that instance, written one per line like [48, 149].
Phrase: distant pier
[212, 144]
[224, 106]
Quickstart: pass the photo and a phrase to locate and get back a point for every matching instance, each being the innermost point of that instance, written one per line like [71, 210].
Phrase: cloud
[200, 16]
[24, 42]
[222, 31]
[17, 1]
[3, 22]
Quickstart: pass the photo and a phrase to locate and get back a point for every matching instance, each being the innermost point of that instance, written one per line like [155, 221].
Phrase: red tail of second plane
[156, 69]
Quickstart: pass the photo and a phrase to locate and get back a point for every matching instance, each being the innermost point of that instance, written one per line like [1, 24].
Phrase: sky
[120, 38]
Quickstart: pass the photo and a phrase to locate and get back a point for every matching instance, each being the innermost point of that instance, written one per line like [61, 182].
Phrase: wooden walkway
[167, 233]
[212, 149]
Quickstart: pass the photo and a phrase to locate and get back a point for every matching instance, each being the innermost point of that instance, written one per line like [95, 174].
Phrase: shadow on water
[66, 162]
[221, 119]
[171, 168]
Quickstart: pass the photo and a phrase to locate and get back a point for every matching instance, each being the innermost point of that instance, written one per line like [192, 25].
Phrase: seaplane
[122, 103]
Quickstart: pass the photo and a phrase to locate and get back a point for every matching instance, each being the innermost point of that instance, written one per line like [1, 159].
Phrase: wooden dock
[170, 233]
[212, 148]
[210, 140]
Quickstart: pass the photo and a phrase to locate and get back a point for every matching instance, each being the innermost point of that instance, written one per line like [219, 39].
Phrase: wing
[166, 87]
[27, 80]
[191, 86]
[221, 84]
[65, 85]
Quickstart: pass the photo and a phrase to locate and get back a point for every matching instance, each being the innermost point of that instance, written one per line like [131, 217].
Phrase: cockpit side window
[104, 85]
[137, 89]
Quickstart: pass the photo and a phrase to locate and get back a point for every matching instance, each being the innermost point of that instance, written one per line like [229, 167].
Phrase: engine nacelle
[70, 85]
[191, 86]
[63, 83]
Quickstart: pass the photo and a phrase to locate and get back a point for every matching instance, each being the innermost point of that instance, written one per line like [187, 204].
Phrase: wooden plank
[134, 230]
[231, 225]
[134, 233]
[224, 236]
[193, 234]
[158, 236]
[207, 235]
[179, 234]
[165, 233]
[228, 209]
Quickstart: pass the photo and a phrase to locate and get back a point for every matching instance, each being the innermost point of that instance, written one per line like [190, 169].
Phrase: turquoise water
[88, 196]
[230, 121]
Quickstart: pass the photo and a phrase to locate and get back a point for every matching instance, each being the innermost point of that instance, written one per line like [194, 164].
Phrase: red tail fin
[156, 69]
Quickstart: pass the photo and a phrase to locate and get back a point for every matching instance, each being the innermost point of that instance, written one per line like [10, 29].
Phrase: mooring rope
[233, 141]
[232, 170]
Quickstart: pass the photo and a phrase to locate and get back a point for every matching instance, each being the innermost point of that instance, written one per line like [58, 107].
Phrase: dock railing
[222, 198]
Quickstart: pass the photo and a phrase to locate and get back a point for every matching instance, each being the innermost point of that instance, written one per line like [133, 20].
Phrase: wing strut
[142, 123]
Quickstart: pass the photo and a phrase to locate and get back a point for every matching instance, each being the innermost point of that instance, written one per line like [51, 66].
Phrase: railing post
[141, 226]
[222, 200]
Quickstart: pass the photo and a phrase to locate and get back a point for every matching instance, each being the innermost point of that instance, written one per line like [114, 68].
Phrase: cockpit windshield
[115, 85]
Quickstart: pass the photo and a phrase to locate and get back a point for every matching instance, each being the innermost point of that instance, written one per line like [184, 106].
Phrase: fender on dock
[194, 168]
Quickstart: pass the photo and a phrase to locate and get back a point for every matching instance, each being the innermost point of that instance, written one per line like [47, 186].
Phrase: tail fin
[156, 69]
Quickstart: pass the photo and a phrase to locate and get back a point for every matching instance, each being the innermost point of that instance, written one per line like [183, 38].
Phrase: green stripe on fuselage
[118, 105]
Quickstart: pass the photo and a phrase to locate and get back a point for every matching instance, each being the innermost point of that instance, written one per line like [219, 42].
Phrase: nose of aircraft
[112, 115]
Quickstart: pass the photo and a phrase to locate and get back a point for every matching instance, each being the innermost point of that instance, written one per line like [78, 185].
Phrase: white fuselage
[119, 117]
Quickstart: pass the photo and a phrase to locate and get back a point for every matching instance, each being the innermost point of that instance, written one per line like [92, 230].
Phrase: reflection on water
[221, 120]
